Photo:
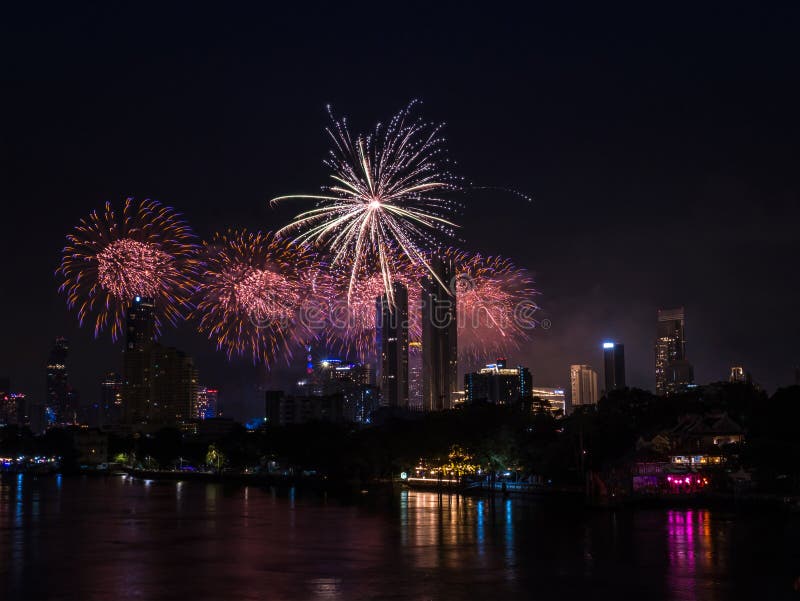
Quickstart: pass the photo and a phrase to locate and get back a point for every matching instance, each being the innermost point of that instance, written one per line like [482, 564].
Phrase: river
[124, 538]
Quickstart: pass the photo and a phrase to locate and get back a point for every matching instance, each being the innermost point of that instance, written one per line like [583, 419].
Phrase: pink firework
[351, 325]
[495, 305]
[254, 290]
[147, 251]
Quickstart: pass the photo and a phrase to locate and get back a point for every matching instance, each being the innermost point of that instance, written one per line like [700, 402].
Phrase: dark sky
[660, 147]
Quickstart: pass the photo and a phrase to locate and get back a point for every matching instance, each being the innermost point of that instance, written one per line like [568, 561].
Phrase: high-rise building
[614, 366]
[415, 375]
[583, 385]
[137, 360]
[205, 405]
[57, 406]
[110, 408]
[439, 337]
[670, 344]
[553, 400]
[392, 333]
[496, 383]
[680, 377]
[737, 374]
[174, 386]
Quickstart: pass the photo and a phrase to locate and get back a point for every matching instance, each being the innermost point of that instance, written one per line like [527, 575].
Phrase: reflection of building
[392, 332]
[439, 337]
[499, 384]
[58, 406]
[614, 364]
[670, 344]
[554, 400]
[583, 385]
[205, 405]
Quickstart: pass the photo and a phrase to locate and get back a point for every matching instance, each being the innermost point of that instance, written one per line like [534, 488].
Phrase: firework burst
[390, 191]
[254, 287]
[109, 260]
[494, 307]
[351, 325]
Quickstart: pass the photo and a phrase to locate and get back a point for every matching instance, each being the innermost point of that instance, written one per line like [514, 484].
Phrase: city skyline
[692, 169]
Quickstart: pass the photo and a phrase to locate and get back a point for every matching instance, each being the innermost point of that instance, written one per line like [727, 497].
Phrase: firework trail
[147, 251]
[254, 287]
[389, 192]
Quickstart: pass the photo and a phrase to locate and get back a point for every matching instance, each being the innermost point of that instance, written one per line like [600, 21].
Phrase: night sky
[660, 149]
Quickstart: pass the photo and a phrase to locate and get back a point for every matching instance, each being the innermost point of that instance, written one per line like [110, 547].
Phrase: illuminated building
[392, 333]
[554, 400]
[351, 381]
[583, 385]
[439, 337]
[499, 384]
[679, 377]
[206, 403]
[614, 366]
[415, 375]
[670, 345]
[57, 405]
[13, 408]
[111, 397]
[137, 360]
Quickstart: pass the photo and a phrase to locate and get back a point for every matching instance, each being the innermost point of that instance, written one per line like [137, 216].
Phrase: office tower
[553, 400]
[137, 360]
[415, 375]
[737, 374]
[680, 377]
[111, 394]
[57, 405]
[614, 366]
[439, 337]
[392, 333]
[496, 383]
[205, 405]
[583, 385]
[174, 386]
[670, 344]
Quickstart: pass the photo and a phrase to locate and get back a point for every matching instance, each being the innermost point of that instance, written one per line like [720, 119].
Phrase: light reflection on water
[101, 538]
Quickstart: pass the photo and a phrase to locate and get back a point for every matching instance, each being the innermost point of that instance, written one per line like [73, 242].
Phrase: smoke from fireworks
[149, 251]
[390, 192]
[254, 286]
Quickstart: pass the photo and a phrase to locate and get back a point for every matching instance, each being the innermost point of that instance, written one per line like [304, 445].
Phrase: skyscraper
[392, 331]
[583, 385]
[614, 366]
[137, 360]
[174, 386]
[496, 383]
[439, 338]
[111, 394]
[205, 406]
[415, 375]
[57, 405]
[670, 345]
